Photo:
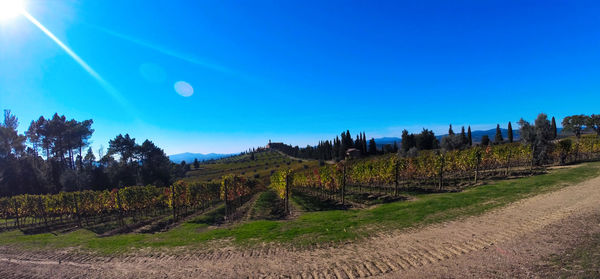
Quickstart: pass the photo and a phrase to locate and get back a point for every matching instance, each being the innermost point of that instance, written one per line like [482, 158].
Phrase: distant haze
[190, 157]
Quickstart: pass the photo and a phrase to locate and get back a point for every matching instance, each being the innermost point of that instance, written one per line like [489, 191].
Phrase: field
[194, 247]
[262, 167]
[224, 211]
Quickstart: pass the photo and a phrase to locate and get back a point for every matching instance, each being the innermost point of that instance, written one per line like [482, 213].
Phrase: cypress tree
[463, 136]
[343, 146]
[450, 131]
[510, 132]
[372, 147]
[554, 130]
[485, 140]
[470, 139]
[498, 138]
[364, 143]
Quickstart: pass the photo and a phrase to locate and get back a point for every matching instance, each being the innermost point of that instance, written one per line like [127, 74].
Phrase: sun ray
[114, 93]
[174, 54]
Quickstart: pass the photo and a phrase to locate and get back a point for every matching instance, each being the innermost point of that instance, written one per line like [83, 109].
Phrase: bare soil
[514, 241]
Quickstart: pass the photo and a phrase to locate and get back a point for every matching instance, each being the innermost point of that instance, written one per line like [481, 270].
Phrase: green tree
[469, 136]
[553, 127]
[538, 136]
[155, 165]
[498, 139]
[510, 132]
[485, 140]
[463, 137]
[426, 140]
[594, 123]
[372, 147]
[575, 124]
[408, 141]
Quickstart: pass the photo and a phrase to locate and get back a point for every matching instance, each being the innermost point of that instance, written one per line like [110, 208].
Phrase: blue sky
[298, 71]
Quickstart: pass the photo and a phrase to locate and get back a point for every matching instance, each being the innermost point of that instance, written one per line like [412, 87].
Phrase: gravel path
[508, 242]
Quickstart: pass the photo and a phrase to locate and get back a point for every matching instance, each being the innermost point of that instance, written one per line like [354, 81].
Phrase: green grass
[324, 226]
[268, 206]
[311, 203]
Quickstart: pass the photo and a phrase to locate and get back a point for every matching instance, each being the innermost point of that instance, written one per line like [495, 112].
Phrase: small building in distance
[353, 153]
[274, 145]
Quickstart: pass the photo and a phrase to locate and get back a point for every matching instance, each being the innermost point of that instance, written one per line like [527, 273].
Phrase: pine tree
[554, 130]
[469, 137]
[498, 138]
[450, 131]
[510, 132]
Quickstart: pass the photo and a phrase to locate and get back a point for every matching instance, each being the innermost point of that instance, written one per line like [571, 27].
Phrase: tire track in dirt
[390, 253]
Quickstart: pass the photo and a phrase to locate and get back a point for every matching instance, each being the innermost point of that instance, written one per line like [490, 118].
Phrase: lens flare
[10, 9]
[184, 89]
[107, 86]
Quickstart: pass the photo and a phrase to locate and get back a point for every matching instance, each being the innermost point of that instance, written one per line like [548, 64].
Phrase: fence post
[120, 209]
[287, 193]
[441, 171]
[75, 197]
[478, 160]
[18, 225]
[396, 179]
[508, 161]
[173, 203]
[344, 184]
[225, 197]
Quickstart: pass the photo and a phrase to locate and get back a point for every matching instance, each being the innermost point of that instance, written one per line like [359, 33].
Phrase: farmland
[224, 208]
[266, 204]
[261, 167]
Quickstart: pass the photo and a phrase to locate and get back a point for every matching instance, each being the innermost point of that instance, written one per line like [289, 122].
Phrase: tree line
[54, 155]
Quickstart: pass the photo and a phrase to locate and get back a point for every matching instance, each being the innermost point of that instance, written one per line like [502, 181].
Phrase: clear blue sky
[299, 71]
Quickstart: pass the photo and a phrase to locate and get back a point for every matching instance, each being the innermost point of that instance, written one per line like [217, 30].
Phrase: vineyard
[351, 182]
[126, 208]
[260, 167]
[430, 171]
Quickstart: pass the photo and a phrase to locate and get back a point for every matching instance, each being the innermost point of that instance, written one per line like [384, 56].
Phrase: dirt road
[507, 242]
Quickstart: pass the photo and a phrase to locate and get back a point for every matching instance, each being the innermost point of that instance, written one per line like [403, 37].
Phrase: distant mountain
[387, 140]
[476, 136]
[491, 133]
[189, 157]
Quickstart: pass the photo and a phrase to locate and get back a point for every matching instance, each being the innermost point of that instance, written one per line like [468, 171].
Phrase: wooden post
[396, 179]
[344, 185]
[477, 167]
[287, 194]
[441, 182]
[43, 208]
[173, 203]
[121, 223]
[17, 214]
[226, 201]
[77, 209]
[508, 161]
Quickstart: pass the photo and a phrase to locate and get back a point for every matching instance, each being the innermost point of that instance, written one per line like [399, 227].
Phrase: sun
[10, 9]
